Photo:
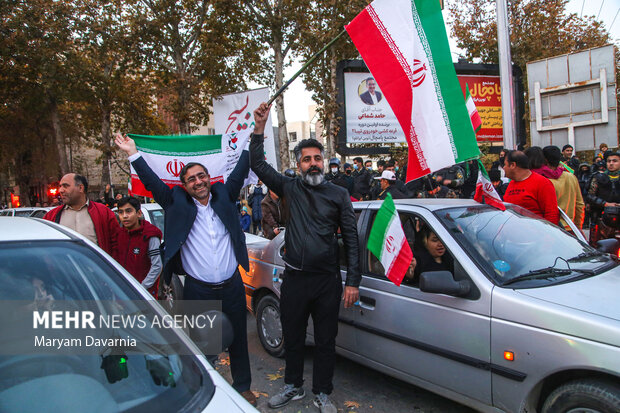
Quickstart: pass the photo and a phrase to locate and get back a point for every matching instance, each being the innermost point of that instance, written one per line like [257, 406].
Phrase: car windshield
[42, 273]
[519, 249]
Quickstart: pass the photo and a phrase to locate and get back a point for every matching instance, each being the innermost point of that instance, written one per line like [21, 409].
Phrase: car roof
[150, 206]
[432, 204]
[30, 229]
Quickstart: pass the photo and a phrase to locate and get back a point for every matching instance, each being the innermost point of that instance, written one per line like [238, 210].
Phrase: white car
[45, 265]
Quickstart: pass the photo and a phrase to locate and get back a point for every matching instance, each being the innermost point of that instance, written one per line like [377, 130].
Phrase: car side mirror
[610, 246]
[442, 282]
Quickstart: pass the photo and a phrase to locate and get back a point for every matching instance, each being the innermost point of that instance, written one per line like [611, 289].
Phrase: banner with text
[486, 92]
[234, 113]
[369, 116]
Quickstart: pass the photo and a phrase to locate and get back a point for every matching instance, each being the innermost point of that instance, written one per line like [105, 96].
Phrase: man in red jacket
[138, 245]
[529, 189]
[91, 219]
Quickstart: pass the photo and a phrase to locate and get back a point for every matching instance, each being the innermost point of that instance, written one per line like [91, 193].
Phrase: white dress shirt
[208, 254]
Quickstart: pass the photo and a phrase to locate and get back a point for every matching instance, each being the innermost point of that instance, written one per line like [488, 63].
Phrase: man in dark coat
[203, 239]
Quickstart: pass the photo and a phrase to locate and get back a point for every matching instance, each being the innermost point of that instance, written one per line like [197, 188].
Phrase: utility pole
[505, 73]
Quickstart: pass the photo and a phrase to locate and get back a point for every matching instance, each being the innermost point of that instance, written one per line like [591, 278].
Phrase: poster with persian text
[486, 92]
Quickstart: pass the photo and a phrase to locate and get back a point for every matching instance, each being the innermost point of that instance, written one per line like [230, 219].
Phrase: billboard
[369, 116]
[572, 99]
[486, 93]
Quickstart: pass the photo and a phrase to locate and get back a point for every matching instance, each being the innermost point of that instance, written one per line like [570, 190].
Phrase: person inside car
[431, 257]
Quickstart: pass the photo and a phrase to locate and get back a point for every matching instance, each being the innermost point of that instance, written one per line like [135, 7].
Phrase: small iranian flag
[388, 243]
[485, 188]
[405, 46]
[476, 122]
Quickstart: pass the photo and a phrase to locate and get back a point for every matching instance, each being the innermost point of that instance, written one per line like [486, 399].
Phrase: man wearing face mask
[499, 165]
[338, 178]
[312, 283]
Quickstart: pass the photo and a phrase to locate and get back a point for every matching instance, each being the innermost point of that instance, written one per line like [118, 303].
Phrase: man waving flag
[405, 46]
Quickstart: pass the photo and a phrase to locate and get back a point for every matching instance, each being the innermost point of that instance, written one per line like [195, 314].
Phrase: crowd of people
[205, 224]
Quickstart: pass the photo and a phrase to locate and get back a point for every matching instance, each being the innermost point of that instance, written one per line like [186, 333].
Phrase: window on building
[292, 136]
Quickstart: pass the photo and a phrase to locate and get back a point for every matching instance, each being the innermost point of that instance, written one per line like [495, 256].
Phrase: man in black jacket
[312, 283]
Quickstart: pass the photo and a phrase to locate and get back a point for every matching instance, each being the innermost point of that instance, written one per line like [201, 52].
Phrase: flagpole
[305, 66]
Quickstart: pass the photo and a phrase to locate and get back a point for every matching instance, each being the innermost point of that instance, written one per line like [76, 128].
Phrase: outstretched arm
[269, 176]
[161, 192]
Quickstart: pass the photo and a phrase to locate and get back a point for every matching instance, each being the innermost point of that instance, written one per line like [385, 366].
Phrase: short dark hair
[81, 180]
[553, 155]
[191, 165]
[308, 143]
[519, 158]
[358, 159]
[535, 156]
[380, 162]
[370, 78]
[131, 200]
[495, 175]
[390, 163]
[565, 147]
[611, 153]
[366, 161]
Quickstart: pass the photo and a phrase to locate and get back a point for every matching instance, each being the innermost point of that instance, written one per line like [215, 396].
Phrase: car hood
[596, 295]
[587, 308]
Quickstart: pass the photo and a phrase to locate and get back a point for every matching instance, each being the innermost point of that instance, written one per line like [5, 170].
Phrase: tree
[539, 29]
[278, 24]
[117, 93]
[327, 20]
[194, 49]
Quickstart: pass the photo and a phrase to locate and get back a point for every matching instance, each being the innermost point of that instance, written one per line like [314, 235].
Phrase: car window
[418, 232]
[157, 218]
[23, 212]
[38, 214]
[41, 274]
[508, 244]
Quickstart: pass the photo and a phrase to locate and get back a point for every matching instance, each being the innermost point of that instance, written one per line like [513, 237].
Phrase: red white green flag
[476, 122]
[166, 156]
[388, 243]
[484, 188]
[405, 46]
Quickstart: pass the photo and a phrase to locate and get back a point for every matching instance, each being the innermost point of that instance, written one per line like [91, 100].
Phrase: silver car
[43, 264]
[527, 318]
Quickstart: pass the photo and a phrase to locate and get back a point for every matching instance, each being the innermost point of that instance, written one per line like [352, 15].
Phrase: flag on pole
[476, 122]
[405, 46]
[167, 155]
[485, 188]
[388, 243]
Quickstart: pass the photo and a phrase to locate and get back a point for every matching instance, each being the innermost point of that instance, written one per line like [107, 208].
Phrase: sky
[297, 98]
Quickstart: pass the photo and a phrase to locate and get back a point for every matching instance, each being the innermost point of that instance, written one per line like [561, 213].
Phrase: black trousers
[232, 297]
[304, 294]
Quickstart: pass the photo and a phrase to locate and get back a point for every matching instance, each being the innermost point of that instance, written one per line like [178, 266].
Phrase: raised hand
[260, 118]
[126, 144]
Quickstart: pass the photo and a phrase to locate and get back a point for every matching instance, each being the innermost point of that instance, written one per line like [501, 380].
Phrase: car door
[427, 339]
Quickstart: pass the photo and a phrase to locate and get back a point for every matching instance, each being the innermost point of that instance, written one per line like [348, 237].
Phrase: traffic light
[52, 190]
[15, 202]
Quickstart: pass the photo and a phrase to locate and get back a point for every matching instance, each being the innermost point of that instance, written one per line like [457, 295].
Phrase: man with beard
[312, 283]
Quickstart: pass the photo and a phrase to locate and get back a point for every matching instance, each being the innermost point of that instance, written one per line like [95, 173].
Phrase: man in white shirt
[203, 239]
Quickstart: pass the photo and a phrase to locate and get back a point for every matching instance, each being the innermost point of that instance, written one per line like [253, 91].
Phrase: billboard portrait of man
[371, 96]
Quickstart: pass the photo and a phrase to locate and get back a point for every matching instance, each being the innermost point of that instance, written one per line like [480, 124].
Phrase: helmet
[334, 161]
[611, 216]
[290, 173]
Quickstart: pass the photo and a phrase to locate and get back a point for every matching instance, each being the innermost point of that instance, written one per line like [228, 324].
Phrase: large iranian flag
[388, 243]
[166, 156]
[405, 46]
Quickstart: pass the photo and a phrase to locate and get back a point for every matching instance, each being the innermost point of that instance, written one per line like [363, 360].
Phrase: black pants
[304, 294]
[232, 297]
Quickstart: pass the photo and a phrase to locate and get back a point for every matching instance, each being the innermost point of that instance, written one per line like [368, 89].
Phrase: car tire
[587, 395]
[269, 326]
[169, 294]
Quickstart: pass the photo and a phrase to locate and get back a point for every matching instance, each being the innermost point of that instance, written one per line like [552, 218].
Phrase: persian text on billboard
[486, 92]
[369, 116]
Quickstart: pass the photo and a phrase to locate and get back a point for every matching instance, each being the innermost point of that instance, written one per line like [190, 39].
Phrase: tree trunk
[332, 126]
[59, 138]
[106, 137]
[282, 132]
[183, 108]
